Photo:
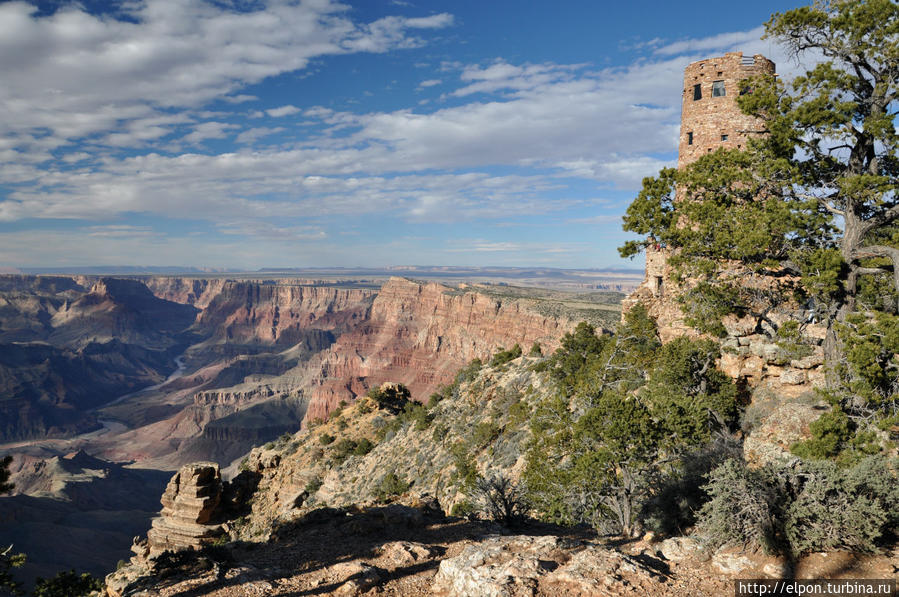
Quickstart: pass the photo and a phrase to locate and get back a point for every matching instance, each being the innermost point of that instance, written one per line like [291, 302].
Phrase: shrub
[536, 350]
[440, 431]
[816, 506]
[313, 485]
[67, 584]
[466, 470]
[500, 500]
[745, 507]
[843, 508]
[463, 508]
[484, 433]
[391, 397]
[435, 399]
[505, 356]
[391, 484]
[678, 493]
[363, 447]
[343, 449]
[325, 439]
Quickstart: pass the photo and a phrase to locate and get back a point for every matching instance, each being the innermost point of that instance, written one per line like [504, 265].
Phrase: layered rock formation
[420, 335]
[189, 509]
[281, 314]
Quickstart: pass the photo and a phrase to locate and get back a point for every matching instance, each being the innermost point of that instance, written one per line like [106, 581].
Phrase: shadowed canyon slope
[69, 345]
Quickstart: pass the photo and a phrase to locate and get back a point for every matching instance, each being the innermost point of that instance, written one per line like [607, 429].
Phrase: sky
[274, 133]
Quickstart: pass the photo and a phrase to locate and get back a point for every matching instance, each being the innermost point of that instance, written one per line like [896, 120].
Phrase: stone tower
[710, 118]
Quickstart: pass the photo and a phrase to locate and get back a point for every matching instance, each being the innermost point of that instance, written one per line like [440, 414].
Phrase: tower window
[697, 92]
[689, 138]
[724, 137]
[718, 89]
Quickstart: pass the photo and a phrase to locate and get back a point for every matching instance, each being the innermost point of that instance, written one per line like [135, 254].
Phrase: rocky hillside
[359, 504]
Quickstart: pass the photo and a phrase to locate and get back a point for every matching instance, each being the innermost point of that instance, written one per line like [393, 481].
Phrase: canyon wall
[421, 334]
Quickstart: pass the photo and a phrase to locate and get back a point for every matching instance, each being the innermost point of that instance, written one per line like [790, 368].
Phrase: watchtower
[710, 118]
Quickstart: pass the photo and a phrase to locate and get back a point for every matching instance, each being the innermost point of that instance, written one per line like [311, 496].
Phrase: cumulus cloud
[283, 111]
[148, 83]
[78, 74]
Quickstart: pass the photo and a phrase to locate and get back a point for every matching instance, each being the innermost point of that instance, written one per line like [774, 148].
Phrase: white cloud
[209, 130]
[283, 111]
[430, 83]
[77, 74]
[251, 135]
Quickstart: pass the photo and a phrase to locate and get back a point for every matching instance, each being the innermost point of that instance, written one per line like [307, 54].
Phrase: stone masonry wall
[716, 121]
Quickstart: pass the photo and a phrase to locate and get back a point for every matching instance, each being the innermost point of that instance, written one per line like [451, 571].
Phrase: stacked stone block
[189, 508]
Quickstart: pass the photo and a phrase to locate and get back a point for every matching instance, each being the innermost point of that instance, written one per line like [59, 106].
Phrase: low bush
[815, 506]
[391, 484]
[500, 500]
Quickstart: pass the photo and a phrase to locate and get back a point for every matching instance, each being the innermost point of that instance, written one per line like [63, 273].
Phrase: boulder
[678, 549]
[770, 442]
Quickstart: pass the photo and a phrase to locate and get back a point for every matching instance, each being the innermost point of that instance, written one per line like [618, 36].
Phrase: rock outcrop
[524, 565]
[190, 506]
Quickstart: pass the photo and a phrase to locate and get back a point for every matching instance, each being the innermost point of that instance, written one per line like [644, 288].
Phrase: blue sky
[254, 133]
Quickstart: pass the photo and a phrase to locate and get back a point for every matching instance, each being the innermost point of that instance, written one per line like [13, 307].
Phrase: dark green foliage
[814, 507]
[418, 415]
[505, 356]
[466, 471]
[830, 433]
[439, 433]
[5, 486]
[705, 304]
[391, 397]
[836, 437]
[67, 584]
[579, 351]
[8, 561]
[363, 447]
[463, 508]
[325, 439]
[791, 342]
[435, 399]
[872, 371]
[483, 434]
[677, 493]
[790, 202]
[343, 449]
[390, 485]
[313, 485]
[536, 350]
[627, 406]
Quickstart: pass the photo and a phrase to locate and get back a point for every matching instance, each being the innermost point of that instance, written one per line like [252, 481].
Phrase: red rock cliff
[421, 335]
